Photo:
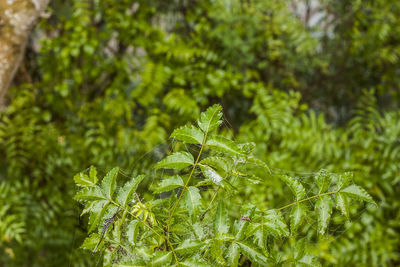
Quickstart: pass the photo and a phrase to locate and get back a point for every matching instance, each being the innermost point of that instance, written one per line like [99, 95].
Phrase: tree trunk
[17, 19]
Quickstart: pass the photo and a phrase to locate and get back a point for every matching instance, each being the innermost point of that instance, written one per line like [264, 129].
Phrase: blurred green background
[315, 84]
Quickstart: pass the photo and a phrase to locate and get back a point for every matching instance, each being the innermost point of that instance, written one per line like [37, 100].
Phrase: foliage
[104, 83]
[187, 226]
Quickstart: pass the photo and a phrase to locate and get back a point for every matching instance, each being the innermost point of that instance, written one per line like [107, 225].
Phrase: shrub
[192, 218]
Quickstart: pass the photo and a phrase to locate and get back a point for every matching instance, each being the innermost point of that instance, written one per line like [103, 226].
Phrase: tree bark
[17, 19]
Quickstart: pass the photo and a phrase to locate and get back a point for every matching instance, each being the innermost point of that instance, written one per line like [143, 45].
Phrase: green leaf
[297, 215]
[274, 221]
[308, 260]
[252, 252]
[188, 134]
[323, 181]
[211, 174]
[210, 120]
[344, 179]
[90, 242]
[125, 193]
[295, 186]
[169, 184]
[358, 193]
[93, 174]
[324, 210]
[137, 264]
[243, 223]
[188, 246]
[193, 199]
[133, 231]
[177, 161]
[220, 164]
[194, 262]
[83, 180]
[90, 194]
[161, 258]
[109, 183]
[222, 144]
[221, 222]
[97, 213]
[342, 203]
[233, 255]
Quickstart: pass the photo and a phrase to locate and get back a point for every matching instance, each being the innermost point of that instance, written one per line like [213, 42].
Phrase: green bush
[104, 83]
[189, 221]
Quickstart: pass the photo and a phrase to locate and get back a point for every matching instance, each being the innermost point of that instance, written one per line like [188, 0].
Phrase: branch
[17, 19]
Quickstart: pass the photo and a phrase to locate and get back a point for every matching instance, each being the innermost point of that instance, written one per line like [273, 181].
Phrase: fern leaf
[211, 119]
[222, 144]
[342, 203]
[221, 222]
[188, 134]
[295, 186]
[358, 193]
[125, 193]
[324, 210]
[109, 183]
[177, 161]
[297, 215]
[169, 184]
[193, 199]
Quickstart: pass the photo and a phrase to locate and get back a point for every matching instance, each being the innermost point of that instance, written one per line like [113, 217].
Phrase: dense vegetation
[105, 83]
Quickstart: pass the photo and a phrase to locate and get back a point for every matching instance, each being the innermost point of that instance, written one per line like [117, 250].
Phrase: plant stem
[305, 199]
[187, 181]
